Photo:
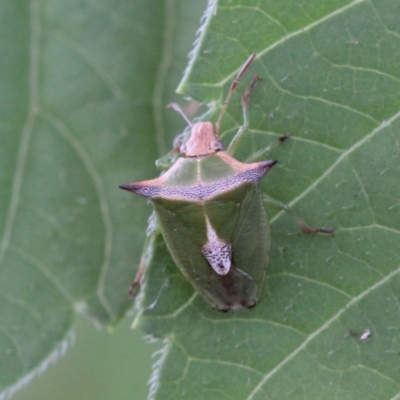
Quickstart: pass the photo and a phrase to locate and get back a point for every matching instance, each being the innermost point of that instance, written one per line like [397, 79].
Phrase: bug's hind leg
[269, 201]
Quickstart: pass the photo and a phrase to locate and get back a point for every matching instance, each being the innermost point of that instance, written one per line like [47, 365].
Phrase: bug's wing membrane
[247, 229]
[251, 240]
[232, 215]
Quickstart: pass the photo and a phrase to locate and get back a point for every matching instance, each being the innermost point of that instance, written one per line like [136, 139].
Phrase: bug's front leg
[270, 202]
[169, 159]
[238, 138]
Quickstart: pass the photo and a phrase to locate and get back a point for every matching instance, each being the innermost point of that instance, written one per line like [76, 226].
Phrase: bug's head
[204, 139]
[202, 142]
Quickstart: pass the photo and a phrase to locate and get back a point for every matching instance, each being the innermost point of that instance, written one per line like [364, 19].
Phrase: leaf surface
[331, 80]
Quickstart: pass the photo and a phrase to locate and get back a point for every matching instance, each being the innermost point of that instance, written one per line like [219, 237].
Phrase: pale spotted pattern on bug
[217, 252]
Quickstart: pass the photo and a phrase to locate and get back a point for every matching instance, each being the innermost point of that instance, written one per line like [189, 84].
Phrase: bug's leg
[238, 138]
[261, 154]
[152, 231]
[270, 202]
[138, 278]
[169, 159]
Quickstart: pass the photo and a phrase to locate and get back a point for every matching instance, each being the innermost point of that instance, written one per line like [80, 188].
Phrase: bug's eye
[178, 140]
[216, 145]
[183, 149]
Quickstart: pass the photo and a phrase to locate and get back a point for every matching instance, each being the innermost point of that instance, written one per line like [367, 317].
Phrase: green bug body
[212, 217]
[213, 221]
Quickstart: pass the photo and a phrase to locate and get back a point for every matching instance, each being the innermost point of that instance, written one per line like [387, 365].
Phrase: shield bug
[211, 212]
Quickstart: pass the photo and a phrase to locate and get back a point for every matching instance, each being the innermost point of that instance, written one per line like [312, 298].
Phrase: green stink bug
[211, 213]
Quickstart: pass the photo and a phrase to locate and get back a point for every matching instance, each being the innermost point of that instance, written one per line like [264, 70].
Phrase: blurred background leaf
[84, 86]
[98, 366]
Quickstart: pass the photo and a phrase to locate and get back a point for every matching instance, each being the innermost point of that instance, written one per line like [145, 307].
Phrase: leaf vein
[299, 139]
[310, 280]
[165, 63]
[322, 100]
[293, 34]
[33, 107]
[242, 7]
[322, 328]
[103, 202]
[344, 154]
[19, 303]
[45, 271]
[99, 71]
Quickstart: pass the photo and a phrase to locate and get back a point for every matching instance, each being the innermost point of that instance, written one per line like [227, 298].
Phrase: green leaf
[84, 86]
[331, 79]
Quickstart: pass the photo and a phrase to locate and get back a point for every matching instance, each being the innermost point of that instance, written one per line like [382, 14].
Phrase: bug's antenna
[178, 108]
[232, 89]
